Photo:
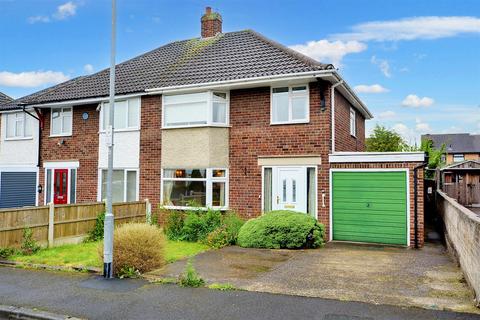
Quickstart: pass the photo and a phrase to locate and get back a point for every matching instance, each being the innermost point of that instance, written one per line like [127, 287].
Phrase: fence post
[51, 219]
[148, 211]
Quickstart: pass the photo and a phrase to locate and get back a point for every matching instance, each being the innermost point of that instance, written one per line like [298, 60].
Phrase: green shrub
[282, 229]
[227, 233]
[218, 238]
[137, 247]
[29, 245]
[96, 233]
[190, 277]
[174, 224]
[5, 253]
[222, 286]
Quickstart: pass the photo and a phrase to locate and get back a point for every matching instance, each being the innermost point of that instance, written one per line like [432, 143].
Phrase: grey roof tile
[4, 98]
[228, 56]
[456, 142]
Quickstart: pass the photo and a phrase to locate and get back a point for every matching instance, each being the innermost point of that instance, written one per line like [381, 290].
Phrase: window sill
[195, 208]
[199, 126]
[289, 122]
[18, 139]
[120, 130]
[60, 135]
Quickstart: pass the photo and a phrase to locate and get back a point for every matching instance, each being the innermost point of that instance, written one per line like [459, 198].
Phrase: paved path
[91, 297]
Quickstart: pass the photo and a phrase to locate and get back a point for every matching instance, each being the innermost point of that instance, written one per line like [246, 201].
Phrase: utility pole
[109, 219]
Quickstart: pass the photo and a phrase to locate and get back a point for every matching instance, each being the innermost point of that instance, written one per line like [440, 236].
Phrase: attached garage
[18, 188]
[372, 197]
[370, 206]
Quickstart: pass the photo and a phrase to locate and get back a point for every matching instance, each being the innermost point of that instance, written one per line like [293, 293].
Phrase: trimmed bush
[137, 246]
[282, 229]
[194, 225]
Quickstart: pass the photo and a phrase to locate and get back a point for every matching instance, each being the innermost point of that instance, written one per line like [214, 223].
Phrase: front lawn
[86, 254]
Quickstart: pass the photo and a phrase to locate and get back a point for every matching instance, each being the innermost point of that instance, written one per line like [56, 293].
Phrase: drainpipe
[332, 104]
[415, 200]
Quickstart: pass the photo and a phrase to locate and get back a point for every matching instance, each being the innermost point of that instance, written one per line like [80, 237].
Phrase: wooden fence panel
[71, 222]
[12, 223]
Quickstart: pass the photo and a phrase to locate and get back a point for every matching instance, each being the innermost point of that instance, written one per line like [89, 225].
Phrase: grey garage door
[17, 189]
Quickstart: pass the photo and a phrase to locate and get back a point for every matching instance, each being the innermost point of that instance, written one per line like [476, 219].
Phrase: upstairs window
[458, 157]
[290, 105]
[19, 125]
[353, 122]
[126, 115]
[195, 109]
[61, 124]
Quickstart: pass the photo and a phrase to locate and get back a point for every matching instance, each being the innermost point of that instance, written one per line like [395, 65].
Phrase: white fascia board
[356, 157]
[83, 101]
[61, 164]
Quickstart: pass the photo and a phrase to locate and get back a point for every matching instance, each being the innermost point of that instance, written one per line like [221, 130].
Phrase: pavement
[426, 278]
[91, 297]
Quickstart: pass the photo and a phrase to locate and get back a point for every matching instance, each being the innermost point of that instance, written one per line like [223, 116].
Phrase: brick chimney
[211, 23]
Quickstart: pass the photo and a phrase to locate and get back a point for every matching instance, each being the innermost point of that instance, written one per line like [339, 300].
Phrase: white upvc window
[353, 122]
[19, 125]
[198, 188]
[61, 121]
[209, 108]
[126, 115]
[124, 185]
[290, 105]
[459, 157]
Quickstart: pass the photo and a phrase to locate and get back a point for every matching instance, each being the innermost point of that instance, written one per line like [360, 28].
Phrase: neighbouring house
[461, 181]
[458, 146]
[18, 157]
[233, 121]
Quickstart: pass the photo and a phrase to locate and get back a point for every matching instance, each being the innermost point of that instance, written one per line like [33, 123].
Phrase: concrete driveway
[425, 278]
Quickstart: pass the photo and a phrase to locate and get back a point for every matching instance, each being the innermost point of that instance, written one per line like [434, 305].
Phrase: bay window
[124, 185]
[61, 122]
[290, 105]
[195, 109]
[19, 125]
[195, 188]
[126, 115]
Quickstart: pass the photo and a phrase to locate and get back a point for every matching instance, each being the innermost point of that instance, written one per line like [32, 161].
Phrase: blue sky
[414, 63]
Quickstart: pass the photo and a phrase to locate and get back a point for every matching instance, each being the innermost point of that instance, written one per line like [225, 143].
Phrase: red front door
[60, 186]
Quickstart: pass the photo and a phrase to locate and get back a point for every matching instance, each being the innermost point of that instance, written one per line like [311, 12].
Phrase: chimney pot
[211, 23]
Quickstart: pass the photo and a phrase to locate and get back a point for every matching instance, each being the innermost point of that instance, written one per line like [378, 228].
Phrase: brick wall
[253, 136]
[82, 146]
[344, 141]
[150, 149]
[397, 165]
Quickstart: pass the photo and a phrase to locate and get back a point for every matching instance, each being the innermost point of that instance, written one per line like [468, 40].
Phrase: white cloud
[427, 27]
[329, 51]
[63, 12]
[31, 79]
[383, 65]
[88, 68]
[36, 19]
[412, 100]
[407, 134]
[422, 127]
[387, 115]
[374, 88]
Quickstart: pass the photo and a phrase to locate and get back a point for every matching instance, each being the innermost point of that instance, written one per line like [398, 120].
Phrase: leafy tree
[385, 140]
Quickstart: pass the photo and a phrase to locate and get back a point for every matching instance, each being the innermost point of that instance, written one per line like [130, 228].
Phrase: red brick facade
[150, 148]
[420, 176]
[81, 146]
[253, 136]
[344, 141]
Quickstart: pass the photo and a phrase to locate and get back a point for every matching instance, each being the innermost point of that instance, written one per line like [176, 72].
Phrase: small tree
[384, 140]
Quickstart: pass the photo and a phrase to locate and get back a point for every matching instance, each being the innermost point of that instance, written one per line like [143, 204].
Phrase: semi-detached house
[228, 120]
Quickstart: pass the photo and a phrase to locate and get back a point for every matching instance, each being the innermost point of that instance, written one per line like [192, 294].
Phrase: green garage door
[370, 207]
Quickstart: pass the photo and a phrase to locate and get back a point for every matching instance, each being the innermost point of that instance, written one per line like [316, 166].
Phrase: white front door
[289, 189]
